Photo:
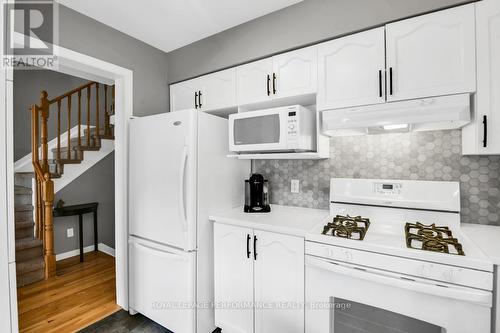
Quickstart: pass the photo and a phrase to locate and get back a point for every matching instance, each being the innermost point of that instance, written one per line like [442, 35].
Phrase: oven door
[345, 298]
[261, 131]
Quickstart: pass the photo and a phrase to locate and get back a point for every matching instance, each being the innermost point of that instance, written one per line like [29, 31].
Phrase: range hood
[435, 113]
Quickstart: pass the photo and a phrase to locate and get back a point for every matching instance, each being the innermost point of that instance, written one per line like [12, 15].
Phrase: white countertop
[288, 220]
[486, 237]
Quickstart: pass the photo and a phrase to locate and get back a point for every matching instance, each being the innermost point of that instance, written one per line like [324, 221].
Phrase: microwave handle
[480, 297]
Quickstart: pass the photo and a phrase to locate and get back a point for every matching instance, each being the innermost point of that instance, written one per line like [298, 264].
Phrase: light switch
[69, 232]
[295, 186]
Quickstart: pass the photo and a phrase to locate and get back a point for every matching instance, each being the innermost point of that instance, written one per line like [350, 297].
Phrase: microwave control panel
[293, 127]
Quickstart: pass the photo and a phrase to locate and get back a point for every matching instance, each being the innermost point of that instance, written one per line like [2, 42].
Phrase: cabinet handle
[380, 83]
[390, 80]
[485, 131]
[248, 246]
[196, 100]
[199, 99]
[274, 83]
[268, 83]
[255, 247]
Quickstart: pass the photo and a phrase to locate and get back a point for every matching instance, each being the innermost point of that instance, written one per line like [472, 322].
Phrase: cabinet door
[279, 282]
[351, 70]
[432, 55]
[295, 73]
[218, 90]
[233, 278]
[182, 95]
[488, 77]
[254, 81]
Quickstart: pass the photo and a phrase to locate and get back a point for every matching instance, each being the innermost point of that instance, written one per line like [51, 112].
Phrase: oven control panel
[388, 188]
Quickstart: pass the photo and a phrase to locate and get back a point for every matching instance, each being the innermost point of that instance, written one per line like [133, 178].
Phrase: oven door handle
[469, 295]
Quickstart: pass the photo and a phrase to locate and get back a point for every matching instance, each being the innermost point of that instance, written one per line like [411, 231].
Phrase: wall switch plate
[295, 186]
[69, 232]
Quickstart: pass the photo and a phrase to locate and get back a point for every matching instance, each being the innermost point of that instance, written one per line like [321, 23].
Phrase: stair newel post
[79, 118]
[106, 111]
[48, 239]
[69, 128]
[44, 108]
[97, 118]
[88, 116]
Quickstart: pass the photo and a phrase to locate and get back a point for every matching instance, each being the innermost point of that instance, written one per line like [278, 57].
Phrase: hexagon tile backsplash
[432, 155]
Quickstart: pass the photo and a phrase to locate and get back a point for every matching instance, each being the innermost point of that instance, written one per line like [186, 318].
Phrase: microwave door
[264, 132]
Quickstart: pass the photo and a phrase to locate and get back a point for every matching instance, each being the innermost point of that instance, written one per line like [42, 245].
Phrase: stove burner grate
[352, 227]
[432, 238]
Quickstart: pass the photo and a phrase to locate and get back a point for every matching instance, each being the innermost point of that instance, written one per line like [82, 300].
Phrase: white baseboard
[101, 247]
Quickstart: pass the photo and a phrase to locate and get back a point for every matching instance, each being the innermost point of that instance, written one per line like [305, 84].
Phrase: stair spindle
[97, 120]
[44, 109]
[79, 118]
[58, 130]
[88, 116]
[69, 128]
[106, 112]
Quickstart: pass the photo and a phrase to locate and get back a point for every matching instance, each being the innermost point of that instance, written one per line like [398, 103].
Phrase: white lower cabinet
[259, 281]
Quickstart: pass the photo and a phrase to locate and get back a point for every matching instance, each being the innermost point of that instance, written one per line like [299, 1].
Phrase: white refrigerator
[179, 174]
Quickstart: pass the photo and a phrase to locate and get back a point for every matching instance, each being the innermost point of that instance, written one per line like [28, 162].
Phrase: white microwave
[282, 129]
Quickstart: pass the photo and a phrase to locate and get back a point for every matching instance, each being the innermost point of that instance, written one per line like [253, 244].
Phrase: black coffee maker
[257, 194]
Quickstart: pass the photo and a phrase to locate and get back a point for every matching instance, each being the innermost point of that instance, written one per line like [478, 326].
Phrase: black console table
[80, 210]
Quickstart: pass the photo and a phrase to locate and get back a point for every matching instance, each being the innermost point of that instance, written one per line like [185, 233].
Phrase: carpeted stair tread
[21, 190]
[27, 243]
[24, 224]
[24, 208]
[30, 266]
[31, 277]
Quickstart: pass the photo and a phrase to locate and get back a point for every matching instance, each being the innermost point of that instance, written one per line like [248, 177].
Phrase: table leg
[80, 229]
[95, 230]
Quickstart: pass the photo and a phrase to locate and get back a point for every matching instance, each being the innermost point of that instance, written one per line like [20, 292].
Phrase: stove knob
[449, 275]
[346, 256]
[424, 271]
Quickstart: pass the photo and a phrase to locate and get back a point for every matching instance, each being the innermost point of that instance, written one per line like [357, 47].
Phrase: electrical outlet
[69, 232]
[295, 186]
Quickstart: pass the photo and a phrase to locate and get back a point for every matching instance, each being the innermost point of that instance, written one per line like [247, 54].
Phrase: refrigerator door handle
[182, 174]
[155, 251]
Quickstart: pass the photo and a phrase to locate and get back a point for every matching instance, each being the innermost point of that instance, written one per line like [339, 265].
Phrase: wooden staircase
[35, 257]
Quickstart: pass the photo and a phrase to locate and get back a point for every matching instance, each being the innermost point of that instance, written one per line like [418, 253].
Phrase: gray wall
[434, 155]
[83, 34]
[302, 24]
[95, 185]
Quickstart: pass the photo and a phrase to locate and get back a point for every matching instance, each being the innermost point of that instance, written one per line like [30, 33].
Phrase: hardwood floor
[79, 295]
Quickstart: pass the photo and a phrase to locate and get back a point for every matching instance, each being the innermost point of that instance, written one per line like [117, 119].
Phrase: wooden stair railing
[44, 190]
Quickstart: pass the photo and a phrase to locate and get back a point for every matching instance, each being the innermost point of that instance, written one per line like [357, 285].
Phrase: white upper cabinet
[218, 90]
[233, 275]
[206, 93]
[483, 135]
[295, 73]
[432, 55]
[183, 95]
[279, 279]
[351, 71]
[254, 82]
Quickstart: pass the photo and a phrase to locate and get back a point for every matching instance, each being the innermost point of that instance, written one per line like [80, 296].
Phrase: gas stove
[401, 240]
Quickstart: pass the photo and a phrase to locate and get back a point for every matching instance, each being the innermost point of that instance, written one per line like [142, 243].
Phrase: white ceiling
[170, 24]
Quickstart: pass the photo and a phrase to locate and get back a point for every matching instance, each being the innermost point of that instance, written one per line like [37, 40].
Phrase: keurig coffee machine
[257, 194]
